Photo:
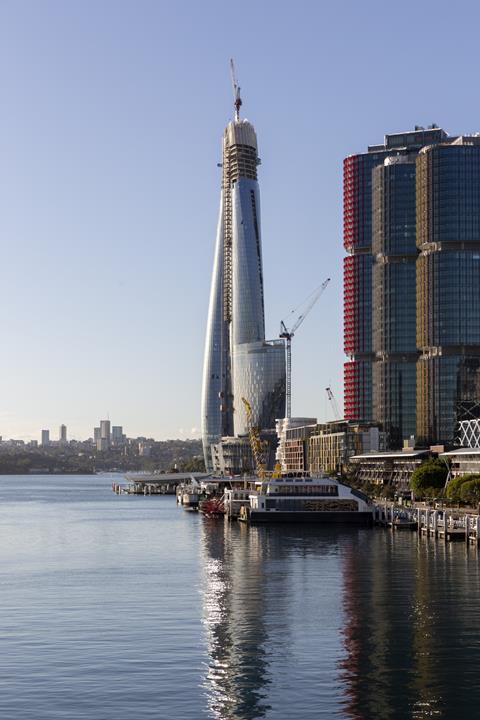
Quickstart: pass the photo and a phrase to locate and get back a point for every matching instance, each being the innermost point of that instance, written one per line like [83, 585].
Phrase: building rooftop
[385, 455]
[461, 451]
[411, 138]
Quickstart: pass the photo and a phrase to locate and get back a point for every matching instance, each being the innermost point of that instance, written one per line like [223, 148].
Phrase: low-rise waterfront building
[389, 468]
[462, 461]
[295, 448]
[325, 447]
[233, 455]
[332, 444]
[281, 427]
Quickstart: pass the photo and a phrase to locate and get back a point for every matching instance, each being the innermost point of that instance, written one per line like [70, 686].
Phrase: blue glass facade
[394, 298]
[448, 285]
[259, 375]
[248, 322]
[381, 280]
[216, 371]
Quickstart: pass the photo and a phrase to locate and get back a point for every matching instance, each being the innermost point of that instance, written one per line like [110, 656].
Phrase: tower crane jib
[287, 335]
[333, 402]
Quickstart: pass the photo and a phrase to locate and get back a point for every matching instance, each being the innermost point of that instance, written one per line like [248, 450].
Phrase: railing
[442, 523]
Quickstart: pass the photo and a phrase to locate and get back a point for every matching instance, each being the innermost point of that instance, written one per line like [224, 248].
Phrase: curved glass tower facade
[238, 361]
[393, 298]
[412, 284]
[448, 286]
[379, 281]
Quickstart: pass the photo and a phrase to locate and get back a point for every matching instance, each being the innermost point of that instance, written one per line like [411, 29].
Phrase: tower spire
[236, 91]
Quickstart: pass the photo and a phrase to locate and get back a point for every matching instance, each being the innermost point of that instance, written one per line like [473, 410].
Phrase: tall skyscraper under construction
[238, 361]
[412, 285]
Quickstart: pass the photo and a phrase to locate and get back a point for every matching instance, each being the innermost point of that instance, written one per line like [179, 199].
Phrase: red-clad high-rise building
[359, 305]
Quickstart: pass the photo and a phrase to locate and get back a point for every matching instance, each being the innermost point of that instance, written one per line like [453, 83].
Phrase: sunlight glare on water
[123, 607]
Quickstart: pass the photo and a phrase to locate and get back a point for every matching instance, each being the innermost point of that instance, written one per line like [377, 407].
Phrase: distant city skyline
[111, 115]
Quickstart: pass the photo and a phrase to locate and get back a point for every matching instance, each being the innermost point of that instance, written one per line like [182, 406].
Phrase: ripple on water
[116, 608]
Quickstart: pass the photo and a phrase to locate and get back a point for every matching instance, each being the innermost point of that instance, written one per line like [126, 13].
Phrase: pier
[444, 523]
[155, 483]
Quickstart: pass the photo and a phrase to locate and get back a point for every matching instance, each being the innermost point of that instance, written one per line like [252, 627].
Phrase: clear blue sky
[111, 115]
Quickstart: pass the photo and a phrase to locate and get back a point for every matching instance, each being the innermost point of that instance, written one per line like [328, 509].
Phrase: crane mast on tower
[287, 335]
[237, 100]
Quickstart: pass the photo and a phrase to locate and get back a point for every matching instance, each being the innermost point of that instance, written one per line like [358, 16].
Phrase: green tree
[455, 484]
[430, 475]
[193, 464]
[470, 491]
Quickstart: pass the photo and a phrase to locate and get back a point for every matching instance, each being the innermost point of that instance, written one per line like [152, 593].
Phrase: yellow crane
[255, 442]
[258, 447]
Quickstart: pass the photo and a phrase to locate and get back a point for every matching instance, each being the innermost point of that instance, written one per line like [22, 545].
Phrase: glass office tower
[238, 361]
[448, 286]
[393, 298]
[362, 307]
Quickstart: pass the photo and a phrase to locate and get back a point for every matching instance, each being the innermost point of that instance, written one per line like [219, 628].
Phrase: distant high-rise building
[117, 435]
[45, 437]
[102, 444]
[62, 433]
[238, 361]
[96, 434]
[105, 431]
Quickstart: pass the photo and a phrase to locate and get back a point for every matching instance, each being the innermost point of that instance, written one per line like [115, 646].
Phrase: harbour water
[126, 607]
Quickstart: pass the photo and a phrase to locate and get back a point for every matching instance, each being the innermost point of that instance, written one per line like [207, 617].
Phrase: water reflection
[352, 624]
[234, 607]
[408, 605]
[259, 608]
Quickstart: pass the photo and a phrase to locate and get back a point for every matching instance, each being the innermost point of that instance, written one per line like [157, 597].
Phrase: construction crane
[237, 100]
[287, 335]
[255, 442]
[258, 447]
[333, 402]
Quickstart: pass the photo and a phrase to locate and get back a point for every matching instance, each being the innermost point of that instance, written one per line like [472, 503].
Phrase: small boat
[190, 499]
[213, 507]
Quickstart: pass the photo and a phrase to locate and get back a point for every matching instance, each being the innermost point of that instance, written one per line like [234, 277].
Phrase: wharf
[445, 524]
[155, 483]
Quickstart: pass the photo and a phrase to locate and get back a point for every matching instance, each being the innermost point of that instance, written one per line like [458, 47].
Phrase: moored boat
[300, 497]
[190, 499]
